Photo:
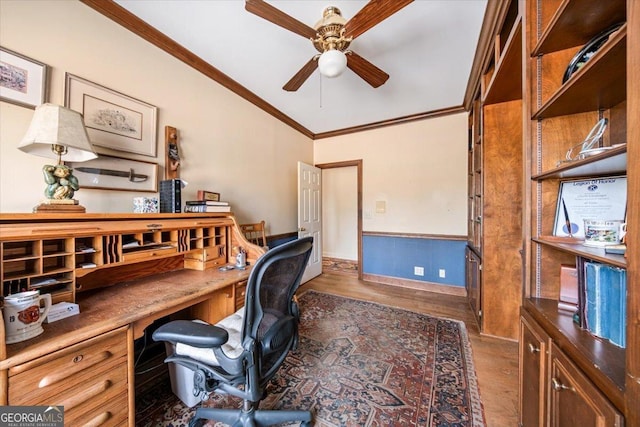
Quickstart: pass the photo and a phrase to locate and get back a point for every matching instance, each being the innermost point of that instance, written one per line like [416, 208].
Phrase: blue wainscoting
[396, 256]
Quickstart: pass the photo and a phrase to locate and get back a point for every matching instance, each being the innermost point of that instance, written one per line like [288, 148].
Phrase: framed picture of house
[113, 120]
[23, 81]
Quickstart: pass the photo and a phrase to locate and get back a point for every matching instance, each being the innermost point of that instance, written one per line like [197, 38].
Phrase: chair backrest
[271, 314]
[255, 233]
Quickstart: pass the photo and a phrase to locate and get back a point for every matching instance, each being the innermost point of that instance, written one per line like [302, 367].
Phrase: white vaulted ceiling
[427, 48]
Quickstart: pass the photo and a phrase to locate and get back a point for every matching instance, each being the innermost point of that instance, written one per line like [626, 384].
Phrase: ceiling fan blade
[301, 76]
[371, 15]
[365, 69]
[276, 16]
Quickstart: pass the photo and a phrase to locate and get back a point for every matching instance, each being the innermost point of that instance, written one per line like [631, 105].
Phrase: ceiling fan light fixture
[332, 63]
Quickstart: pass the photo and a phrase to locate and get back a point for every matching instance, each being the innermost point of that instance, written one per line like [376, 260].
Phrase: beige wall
[418, 169]
[217, 128]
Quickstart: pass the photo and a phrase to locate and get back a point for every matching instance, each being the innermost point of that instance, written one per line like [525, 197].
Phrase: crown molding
[128, 20]
[391, 122]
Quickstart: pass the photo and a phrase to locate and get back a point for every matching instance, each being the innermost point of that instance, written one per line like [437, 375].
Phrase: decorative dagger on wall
[131, 175]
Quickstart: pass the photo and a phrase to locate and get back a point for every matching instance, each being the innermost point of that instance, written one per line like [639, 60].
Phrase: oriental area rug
[359, 364]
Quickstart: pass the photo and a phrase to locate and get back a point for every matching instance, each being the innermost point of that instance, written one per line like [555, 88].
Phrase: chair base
[251, 418]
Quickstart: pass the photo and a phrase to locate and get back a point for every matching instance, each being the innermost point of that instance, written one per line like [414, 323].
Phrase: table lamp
[54, 132]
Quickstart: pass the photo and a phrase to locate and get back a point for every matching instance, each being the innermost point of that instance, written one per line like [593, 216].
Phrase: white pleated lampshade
[55, 125]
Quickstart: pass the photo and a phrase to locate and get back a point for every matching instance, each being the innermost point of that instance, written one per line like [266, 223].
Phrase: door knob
[557, 385]
[532, 348]
[302, 229]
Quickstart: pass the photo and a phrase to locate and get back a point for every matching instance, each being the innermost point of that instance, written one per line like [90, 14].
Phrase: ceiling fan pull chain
[320, 84]
[331, 36]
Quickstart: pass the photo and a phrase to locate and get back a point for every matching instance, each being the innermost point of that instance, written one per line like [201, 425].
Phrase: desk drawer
[214, 256]
[110, 409]
[240, 293]
[97, 364]
[148, 254]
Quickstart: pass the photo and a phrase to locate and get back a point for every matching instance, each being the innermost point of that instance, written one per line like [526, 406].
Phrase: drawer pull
[100, 419]
[532, 348]
[558, 386]
[87, 394]
[78, 364]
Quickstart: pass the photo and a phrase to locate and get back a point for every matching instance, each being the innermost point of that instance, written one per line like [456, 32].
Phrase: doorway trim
[358, 165]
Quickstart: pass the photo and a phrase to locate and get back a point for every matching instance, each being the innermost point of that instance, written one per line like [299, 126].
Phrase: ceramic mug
[23, 316]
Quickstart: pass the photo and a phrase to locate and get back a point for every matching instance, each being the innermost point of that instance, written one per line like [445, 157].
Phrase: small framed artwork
[204, 195]
[113, 120]
[23, 81]
[116, 173]
[589, 199]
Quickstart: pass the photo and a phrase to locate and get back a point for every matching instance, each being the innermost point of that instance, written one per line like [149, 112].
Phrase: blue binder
[617, 291]
[596, 307]
[605, 301]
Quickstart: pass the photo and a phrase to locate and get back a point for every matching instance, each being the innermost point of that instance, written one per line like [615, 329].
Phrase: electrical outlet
[418, 271]
[442, 273]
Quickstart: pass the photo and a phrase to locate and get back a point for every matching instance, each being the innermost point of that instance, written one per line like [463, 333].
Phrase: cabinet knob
[558, 386]
[532, 348]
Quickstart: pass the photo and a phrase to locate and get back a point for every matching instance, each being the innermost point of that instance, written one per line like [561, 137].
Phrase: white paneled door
[310, 215]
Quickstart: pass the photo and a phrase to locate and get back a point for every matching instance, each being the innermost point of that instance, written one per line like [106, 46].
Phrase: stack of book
[170, 195]
[206, 206]
[602, 301]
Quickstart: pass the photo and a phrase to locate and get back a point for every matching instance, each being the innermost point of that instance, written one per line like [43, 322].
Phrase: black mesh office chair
[269, 329]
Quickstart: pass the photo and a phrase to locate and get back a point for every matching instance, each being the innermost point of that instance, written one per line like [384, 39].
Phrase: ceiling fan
[331, 36]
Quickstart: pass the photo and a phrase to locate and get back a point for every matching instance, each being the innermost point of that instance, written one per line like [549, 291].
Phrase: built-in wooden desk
[86, 362]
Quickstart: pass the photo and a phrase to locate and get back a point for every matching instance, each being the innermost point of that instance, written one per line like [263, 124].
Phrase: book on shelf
[206, 208]
[170, 196]
[605, 295]
[616, 249]
[206, 202]
[568, 288]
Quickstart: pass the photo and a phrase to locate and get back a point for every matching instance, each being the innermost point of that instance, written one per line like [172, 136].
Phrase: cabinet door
[240, 291]
[474, 281]
[573, 400]
[220, 305]
[533, 371]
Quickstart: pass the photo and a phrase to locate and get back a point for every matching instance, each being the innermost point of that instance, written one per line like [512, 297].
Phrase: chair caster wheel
[197, 422]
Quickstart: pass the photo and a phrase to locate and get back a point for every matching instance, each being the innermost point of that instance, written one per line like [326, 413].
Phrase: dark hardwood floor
[496, 360]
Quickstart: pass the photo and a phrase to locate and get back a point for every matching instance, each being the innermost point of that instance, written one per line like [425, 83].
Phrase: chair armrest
[191, 333]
